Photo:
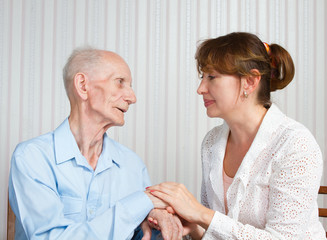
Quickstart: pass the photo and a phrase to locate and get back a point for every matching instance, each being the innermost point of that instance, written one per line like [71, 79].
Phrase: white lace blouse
[274, 192]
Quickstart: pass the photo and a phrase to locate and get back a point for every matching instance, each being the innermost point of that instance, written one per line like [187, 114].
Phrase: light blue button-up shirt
[55, 193]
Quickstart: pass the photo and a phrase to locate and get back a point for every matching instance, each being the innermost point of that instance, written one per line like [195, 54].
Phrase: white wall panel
[158, 39]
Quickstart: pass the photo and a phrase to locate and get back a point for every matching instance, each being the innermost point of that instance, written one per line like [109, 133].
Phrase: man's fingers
[166, 230]
[165, 224]
[146, 231]
[179, 226]
[170, 210]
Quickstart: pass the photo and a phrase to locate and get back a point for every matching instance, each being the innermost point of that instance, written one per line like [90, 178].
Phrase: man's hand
[170, 225]
[146, 229]
[192, 229]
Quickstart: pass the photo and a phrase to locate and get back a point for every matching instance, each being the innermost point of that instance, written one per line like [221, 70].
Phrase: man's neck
[88, 135]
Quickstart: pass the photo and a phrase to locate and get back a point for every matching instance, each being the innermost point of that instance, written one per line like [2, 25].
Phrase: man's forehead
[111, 60]
[116, 70]
[113, 57]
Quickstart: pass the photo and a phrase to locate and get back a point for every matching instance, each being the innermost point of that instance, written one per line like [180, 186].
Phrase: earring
[245, 94]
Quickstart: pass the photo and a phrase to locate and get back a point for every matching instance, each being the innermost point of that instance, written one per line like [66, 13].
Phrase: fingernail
[150, 221]
[152, 191]
[146, 187]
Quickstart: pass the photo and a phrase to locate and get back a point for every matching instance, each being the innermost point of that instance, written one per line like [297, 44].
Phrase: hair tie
[267, 47]
[273, 60]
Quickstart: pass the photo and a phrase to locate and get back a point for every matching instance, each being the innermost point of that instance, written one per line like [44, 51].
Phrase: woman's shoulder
[288, 127]
[296, 141]
[213, 134]
[296, 130]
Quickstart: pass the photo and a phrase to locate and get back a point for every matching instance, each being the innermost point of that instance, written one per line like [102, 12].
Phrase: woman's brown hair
[239, 52]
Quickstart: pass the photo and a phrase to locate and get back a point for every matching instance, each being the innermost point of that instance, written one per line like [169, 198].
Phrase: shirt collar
[66, 149]
[109, 155]
[65, 145]
[270, 123]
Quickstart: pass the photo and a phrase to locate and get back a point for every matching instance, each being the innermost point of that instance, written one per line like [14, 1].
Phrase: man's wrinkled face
[110, 92]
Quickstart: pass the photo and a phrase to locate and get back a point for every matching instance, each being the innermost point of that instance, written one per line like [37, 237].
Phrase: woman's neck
[245, 125]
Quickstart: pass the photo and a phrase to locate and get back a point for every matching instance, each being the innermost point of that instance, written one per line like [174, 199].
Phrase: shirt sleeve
[40, 211]
[293, 193]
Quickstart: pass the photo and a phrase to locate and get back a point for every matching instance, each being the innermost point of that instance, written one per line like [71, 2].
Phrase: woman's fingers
[163, 196]
[183, 203]
[168, 187]
[157, 202]
[176, 190]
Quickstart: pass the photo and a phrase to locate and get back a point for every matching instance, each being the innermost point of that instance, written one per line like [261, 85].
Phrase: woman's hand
[192, 229]
[183, 202]
[157, 202]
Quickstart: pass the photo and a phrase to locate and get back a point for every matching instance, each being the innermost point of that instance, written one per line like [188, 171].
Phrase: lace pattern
[274, 192]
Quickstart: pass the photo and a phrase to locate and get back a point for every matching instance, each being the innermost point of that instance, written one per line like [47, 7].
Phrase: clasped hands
[176, 212]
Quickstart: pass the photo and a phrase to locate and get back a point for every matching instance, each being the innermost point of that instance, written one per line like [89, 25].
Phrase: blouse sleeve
[204, 196]
[293, 185]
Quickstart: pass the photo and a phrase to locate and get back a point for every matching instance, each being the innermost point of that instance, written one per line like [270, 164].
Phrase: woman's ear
[80, 81]
[251, 83]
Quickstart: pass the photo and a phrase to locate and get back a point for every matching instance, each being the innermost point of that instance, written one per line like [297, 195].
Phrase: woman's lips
[207, 103]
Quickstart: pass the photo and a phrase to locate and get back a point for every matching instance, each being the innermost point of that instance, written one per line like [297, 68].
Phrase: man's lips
[208, 102]
[123, 110]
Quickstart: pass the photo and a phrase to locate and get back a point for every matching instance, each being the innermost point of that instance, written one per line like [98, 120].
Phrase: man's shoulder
[124, 153]
[41, 143]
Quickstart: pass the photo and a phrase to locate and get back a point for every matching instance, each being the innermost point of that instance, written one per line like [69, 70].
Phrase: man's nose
[130, 96]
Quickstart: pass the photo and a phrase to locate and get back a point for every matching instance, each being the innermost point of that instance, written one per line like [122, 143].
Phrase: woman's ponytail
[282, 67]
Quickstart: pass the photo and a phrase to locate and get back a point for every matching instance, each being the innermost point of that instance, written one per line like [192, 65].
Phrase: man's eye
[121, 81]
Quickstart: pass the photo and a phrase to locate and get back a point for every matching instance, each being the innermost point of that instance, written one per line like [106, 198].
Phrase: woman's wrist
[197, 233]
[205, 217]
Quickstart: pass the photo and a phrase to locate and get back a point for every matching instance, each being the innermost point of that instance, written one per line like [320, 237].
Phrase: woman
[261, 169]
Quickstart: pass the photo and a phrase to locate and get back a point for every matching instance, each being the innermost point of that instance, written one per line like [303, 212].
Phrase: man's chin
[120, 124]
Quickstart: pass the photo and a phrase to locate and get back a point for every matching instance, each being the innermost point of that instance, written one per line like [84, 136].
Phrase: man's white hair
[85, 60]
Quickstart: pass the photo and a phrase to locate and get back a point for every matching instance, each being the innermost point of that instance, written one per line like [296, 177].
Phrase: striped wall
[158, 40]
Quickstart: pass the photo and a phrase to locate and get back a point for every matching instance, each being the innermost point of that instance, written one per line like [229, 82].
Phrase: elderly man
[76, 182]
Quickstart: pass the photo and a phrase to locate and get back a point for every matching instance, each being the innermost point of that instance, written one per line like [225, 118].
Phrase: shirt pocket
[104, 203]
[72, 205]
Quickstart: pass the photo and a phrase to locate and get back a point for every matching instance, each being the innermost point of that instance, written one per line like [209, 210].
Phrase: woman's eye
[210, 77]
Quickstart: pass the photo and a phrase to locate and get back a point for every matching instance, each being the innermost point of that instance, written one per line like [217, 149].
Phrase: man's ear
[80, 81]
[251, 83]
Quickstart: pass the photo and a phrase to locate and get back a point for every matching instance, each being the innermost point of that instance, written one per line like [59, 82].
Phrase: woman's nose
[201, 88]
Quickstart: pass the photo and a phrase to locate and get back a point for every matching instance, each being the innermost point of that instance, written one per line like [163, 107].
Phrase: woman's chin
[210, 114]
